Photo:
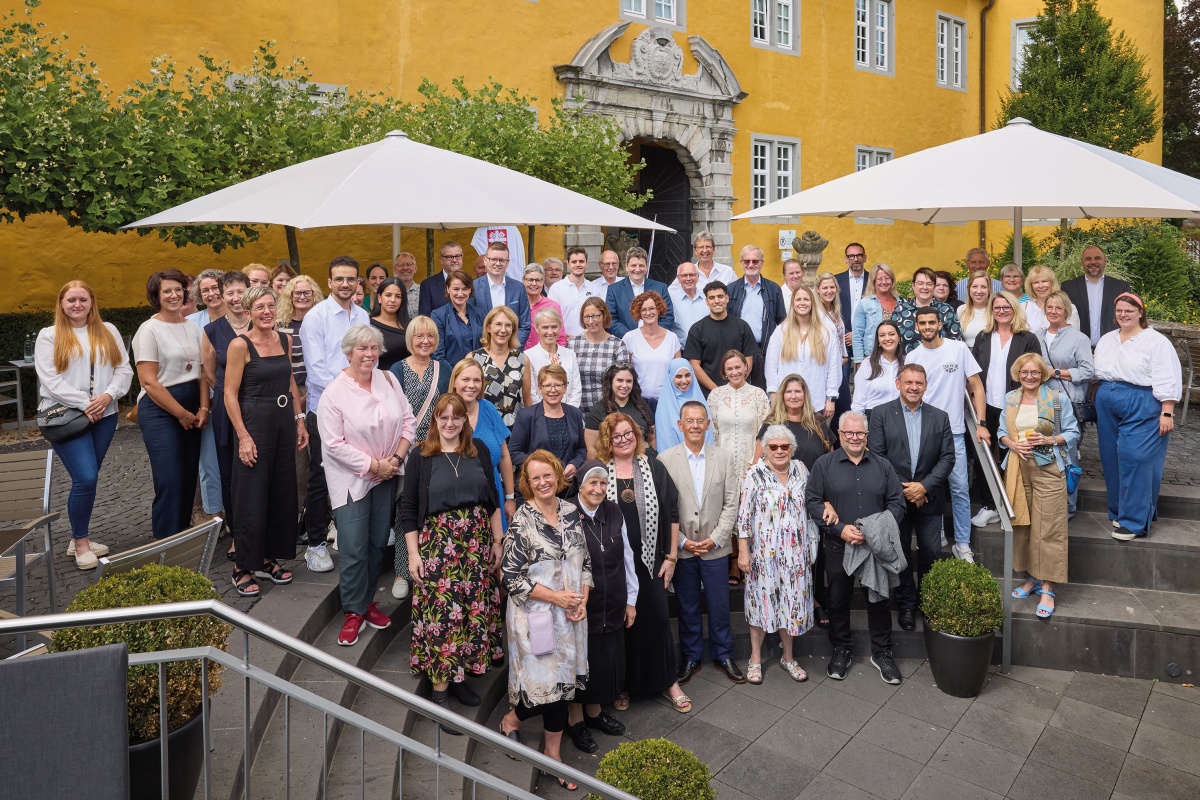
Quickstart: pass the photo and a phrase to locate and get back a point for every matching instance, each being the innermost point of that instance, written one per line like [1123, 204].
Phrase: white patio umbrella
[1012, 173]
[396, 182]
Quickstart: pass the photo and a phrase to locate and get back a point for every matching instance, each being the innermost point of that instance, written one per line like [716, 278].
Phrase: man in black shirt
[710, 338]
[849, 484]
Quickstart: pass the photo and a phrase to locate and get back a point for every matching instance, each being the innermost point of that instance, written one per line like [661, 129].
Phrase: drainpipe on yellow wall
[983, 18]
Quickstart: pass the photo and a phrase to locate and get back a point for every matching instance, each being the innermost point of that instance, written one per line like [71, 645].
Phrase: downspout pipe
[983, 26]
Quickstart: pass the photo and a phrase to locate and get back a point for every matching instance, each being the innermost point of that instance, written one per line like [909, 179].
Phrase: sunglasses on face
[778, 447]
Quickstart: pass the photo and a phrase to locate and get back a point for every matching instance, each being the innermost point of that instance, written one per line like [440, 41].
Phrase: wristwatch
[1168, 414]
[1058, 373]
[510, 497]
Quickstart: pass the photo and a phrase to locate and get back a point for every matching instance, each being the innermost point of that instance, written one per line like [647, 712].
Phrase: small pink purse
[541, 632]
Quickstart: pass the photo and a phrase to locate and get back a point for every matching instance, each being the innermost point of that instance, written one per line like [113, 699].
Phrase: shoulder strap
[432, 390]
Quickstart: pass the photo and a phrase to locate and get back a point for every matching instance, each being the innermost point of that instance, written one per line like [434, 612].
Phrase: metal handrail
[1004, 507]
[248, 625]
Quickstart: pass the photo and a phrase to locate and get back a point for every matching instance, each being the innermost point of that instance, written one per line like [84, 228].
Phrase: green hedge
[15, 327]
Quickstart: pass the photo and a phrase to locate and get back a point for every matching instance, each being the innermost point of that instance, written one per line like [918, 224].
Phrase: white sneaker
[963, 553]
[317, 559]
[400, 589]
[331, 532]
[333, 542]
[985, 517]
[1123, 534]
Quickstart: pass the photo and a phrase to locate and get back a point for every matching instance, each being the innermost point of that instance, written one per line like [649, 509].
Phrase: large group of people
[551, 457]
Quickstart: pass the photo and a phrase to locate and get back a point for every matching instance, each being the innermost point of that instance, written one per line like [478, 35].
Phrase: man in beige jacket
[708, 481]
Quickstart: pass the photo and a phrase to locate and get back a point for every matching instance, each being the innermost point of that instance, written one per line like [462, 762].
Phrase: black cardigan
[414, 500]
[529, 434]
[1023, 342]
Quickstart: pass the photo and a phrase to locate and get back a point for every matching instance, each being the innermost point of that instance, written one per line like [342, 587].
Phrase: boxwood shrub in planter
[656, 769]
[962, 607]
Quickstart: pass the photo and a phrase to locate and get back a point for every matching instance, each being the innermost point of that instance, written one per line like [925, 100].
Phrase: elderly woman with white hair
[777, 550]
[367, 427]
[548, 323]
[535, 292]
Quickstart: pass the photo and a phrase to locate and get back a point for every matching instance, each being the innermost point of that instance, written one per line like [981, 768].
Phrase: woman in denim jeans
[65, 356]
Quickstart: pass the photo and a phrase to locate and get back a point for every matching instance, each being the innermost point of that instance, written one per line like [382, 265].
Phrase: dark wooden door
[671, 206]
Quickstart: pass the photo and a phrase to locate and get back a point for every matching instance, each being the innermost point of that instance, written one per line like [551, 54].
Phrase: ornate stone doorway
[690, 116]
[665, 176]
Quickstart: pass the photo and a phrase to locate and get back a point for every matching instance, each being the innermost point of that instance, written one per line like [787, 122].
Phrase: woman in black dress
[620, 391]
[390, 316]
[263, 404]
[649, 505]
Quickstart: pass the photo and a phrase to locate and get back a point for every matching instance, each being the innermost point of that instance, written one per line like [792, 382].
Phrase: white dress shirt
[1147, 359]
[995, 384]
[856, 290]
[570, 299]
[1095, 291]
[600, 287]
[822, 380]
[565, 357]
[496, 290]
[752, 308]
[870, 393]
[321, 335]
[697, 465]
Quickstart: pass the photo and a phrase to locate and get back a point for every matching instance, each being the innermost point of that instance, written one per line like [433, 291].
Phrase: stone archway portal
[654, 101]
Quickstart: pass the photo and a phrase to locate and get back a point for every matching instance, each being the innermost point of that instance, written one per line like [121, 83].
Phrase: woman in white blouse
[738, 410]
[975, 313]
[804, 345]
[1040, 283]
[548, 322]
[651, 346]
[1140, 382]
[82, 364]
[875, 381]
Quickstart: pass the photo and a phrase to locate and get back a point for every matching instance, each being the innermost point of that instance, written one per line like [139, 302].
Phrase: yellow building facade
[732, 103]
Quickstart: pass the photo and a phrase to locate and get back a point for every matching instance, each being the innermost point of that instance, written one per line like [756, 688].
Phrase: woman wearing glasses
[595, 350]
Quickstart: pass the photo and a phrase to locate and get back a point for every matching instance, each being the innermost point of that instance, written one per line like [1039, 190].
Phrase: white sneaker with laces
[317, 559]
[963, 553]
[331, 532]
[400, 589]
[985, 517]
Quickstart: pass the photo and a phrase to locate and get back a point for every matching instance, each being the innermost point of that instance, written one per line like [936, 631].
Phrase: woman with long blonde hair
[829, 293]
[804, 345]
[1040, 283]
[975, 314]
[82, 364]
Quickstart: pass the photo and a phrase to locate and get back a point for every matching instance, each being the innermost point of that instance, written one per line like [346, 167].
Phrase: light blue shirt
[912, 421]
[752, 309]
[321, 334]
[688, 310]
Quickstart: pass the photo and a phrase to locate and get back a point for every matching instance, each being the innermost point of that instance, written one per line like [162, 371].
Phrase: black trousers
[928, 528]
[316, 502]
[841, 588]
[264, 495]
[554, 715]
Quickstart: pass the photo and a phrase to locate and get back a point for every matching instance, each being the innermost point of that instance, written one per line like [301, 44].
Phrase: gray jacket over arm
[879, 560]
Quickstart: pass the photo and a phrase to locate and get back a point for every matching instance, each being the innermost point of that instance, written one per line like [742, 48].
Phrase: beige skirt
[1040, 548]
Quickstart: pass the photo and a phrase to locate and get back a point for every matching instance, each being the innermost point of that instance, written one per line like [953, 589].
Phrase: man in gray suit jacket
[1094, 295]
[915, 438]
[708, 483]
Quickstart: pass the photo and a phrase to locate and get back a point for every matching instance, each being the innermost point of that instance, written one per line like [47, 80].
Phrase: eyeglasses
[592, 317]
[344, 281]
[624, 437]
[751, 260]
[302, 295]
[856, 256]
[1025, 373]
[497, 260]
[854, 434]
[1001, 309]
[452, 257]
[776, 448]
[694, 423]
[557, 387]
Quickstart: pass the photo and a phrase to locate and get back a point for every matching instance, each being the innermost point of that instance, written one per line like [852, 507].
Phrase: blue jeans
[1131, 451]
[362, 527]
[210, 473]
[690, 574]
[960, 495]
[174, 459]
[82, 456]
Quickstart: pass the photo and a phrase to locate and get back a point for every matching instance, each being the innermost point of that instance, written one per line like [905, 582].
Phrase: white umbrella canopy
[1012, 173]
[396, 182]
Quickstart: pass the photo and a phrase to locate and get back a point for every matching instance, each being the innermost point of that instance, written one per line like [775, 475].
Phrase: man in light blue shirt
[686, 299]
[759, 302]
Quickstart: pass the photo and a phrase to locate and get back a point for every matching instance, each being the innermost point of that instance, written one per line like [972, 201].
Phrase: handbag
[1074, 473]
[61, 422]
[541, 632]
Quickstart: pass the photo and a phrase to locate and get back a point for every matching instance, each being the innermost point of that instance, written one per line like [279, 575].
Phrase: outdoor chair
[24, 510]
[192, 548]
[1189, 353]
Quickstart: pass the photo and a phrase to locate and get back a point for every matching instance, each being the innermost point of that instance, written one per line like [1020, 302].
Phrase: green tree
[1181, 88]
[1081, 79]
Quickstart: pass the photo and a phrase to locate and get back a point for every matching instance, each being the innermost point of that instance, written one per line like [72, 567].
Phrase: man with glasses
[553, 269]
[851, 285]
[686, 300]
[405, 269]
[759, 302]
[844, 487]
[321, 335]
[571, 292]
[497, 289]
[433, 288]
[707, 269]
[952, 372]
[610, 268]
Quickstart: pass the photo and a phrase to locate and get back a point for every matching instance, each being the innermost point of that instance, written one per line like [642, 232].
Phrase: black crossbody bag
[62, 423]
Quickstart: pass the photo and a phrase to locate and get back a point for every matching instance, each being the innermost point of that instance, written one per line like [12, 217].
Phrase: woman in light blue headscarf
[679, 387]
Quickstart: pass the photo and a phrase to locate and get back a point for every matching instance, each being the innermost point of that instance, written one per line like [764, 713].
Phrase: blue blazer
[433, 294]
[843, 282]
[620, 295]
[514, 297]
[529, 434]
[456, 340]
[774, 311]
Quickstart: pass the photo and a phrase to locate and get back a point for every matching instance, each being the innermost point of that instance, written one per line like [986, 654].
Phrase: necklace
[245, 324]
[452, 464]
[599, 537]
[627, 494]
[182, 346]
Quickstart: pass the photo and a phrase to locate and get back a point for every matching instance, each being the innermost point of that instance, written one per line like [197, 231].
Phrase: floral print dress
[773, 522]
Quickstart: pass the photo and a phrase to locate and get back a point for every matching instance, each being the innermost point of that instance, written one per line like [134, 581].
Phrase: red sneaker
[376, 618]
[350, 629]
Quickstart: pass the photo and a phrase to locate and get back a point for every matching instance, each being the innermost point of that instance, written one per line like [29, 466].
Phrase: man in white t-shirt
[952, 372]
[512, 240]
[610, 267]
[572, 291]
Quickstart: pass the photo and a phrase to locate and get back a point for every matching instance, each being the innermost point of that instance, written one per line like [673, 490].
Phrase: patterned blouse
[593, 360]
[905, 317]
[416, 389]
[737, 415]
[502, 382]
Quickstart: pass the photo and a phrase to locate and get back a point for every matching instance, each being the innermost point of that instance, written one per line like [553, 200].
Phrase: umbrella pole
[293, 247]
[530, 255]
[428, 252]
[395, 242]
[1018, 236]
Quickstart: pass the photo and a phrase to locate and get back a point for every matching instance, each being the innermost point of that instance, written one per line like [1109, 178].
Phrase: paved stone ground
[1033, 733]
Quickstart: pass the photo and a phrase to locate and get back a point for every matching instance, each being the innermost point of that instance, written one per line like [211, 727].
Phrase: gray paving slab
[1143, 779]
[826, 787]
[838, 710]
[1124, 695]
[713, 745]
[932, 784]
[1079, 756]
[804, 740]
[1099, 724]
[904, 735]
[1007, 731]
[1041, 780]
[873, 769]
[929, 704]
[1166, 746]
[1021, 699]
[1167, 711]
[765, 775]
[977, 763]
[740, 715]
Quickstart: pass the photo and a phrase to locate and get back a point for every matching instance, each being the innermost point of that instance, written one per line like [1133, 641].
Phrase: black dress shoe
[731, 670]
[463, 694]
[443, 700]
[605, 723]
[908, 619]
[582, 738]
[686, 670]
[514, 736]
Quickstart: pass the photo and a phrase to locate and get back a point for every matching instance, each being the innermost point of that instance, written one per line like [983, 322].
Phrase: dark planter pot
[185, 761]
[959, 663]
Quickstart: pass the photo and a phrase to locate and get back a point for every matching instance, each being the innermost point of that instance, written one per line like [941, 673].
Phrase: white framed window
[873, 40]
[775, 25]
[654, 12]
[866, 157]
[951, 52]
[774, 169]
[1022, 34]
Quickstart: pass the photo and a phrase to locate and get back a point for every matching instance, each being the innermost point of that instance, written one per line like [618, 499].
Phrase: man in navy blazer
[923, 475]
[1095, 320]
[851, 285]
[621, 294]
[759, 302]
[497, 286]
[433, 288]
